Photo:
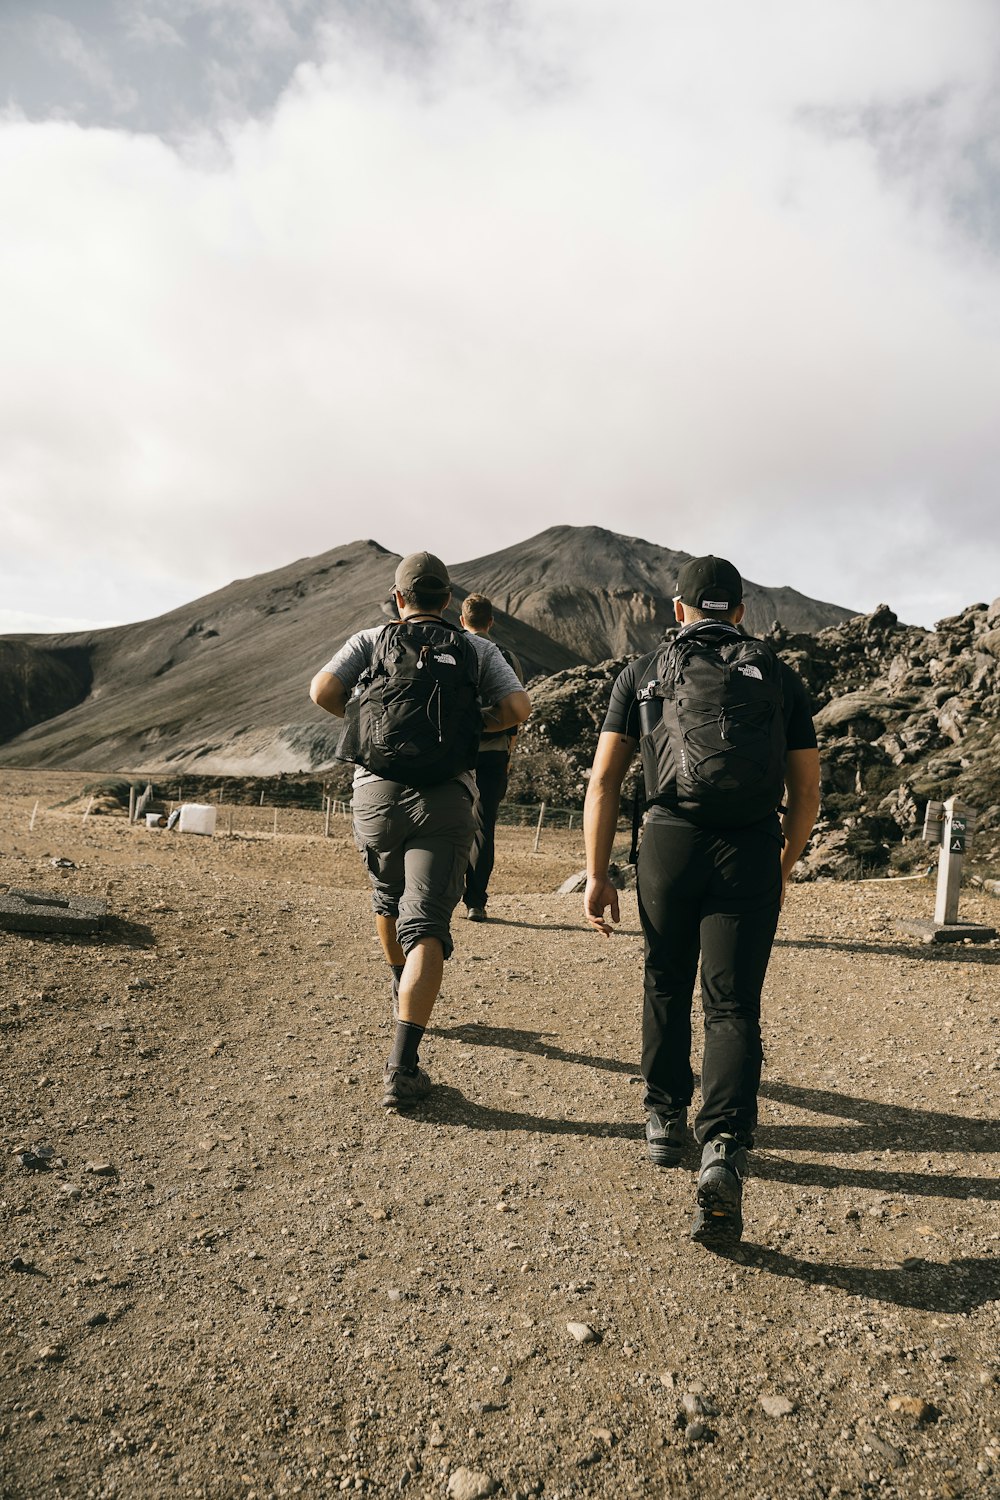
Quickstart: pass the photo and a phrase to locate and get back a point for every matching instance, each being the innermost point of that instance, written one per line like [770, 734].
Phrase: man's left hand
[598, 897]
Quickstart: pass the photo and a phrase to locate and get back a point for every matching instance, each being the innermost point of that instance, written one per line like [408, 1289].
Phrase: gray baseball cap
[422, 570]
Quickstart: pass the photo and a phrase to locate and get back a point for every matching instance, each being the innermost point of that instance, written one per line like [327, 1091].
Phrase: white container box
[197, 817]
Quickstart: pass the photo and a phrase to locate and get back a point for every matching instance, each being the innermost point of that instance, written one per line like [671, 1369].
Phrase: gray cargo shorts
[415, 843]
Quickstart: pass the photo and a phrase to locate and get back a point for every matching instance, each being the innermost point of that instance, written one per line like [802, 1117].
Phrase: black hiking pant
[717, 894]
[491, 778]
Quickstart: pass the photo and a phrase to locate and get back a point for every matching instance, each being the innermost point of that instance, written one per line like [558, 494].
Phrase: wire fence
[332, 818]
[526, 815]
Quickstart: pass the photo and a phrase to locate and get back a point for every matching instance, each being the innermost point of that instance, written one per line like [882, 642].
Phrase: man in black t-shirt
[703, 890]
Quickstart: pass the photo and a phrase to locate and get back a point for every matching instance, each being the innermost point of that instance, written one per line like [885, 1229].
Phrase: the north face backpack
[415, 716]
[712, 733]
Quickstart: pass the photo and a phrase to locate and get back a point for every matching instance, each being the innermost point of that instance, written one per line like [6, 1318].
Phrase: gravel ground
[226, 1272]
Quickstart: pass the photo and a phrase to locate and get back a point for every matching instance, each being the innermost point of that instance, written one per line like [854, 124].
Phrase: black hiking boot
[666, 1137]
[719, 1217]
[402, 1088]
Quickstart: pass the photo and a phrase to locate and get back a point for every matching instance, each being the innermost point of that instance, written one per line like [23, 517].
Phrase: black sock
[404, 1046]
[397, 974]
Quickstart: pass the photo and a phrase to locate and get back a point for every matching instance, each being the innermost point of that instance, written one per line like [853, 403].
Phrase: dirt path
[276, 1289]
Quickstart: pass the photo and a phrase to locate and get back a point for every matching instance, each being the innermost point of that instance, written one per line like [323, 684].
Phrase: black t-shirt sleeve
[622, 716]
[800, 732]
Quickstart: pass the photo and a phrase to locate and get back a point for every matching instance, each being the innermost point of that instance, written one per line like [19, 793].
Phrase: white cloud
[17, 622]
[62, 40]
[651, 267]
[146, 29]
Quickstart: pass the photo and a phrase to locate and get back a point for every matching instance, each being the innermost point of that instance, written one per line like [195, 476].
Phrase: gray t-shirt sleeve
[497, 679]
[353, 658]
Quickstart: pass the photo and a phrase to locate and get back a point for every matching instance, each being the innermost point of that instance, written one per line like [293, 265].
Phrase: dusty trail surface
[235, 1276]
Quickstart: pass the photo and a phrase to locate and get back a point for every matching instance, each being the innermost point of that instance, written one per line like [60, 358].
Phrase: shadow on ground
[940, 953]
[115, 933]
[449, 1106]
[580, 926]
[534, 1043]
[957, 1287]
[864, 1125]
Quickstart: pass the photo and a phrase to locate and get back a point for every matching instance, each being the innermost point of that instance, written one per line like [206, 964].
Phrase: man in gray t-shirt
[415, 840]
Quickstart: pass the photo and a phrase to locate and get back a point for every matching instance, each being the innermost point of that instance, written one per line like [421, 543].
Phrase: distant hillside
[220, 685]
[604, 595]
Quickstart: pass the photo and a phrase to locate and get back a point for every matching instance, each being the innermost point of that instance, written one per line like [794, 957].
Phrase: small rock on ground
[583, 1333]
[470, 1484]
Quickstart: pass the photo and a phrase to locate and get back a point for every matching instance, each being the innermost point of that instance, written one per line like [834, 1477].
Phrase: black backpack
[712, 731]
[415, 716]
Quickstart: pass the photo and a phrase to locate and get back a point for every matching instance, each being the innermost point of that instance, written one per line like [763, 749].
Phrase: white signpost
[949, 824]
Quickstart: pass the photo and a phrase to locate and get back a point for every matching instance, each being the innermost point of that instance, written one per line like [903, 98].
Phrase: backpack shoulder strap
[658, 679]
[638, 808]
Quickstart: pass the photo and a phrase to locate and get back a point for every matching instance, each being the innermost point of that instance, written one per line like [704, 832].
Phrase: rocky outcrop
[903, 716]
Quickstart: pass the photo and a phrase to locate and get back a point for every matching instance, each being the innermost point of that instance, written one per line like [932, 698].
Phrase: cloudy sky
[279, 274]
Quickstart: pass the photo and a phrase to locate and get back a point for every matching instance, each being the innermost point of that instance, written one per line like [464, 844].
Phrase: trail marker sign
[949, 824]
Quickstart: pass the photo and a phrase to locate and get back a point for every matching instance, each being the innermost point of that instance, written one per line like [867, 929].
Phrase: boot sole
[665, 1156]
[405, 1101]
[405, 1098]
[721, 1230]
[718, 1221]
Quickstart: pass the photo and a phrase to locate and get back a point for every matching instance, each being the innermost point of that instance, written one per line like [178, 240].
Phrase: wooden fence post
[538, 830]
[326, 826]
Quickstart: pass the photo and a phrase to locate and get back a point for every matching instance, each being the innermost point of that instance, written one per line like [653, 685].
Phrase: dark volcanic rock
[903, 715]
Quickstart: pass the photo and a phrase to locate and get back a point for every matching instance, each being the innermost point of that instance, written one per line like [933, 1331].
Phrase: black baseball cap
[709, 583]
[424, 571]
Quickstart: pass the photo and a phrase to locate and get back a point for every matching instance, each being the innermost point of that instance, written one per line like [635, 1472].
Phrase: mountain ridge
[219, 685]
[539, 581]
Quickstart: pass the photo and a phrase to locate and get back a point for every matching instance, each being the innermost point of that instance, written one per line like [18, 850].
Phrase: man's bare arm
[508, 713]
[327, 691]
[801, 806]
[600, 823]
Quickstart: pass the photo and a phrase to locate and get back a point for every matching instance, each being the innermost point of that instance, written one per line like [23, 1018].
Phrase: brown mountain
[220, 685]
[604, 595]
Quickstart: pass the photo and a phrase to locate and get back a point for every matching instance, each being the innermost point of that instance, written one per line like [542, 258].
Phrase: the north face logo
[752, 672]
